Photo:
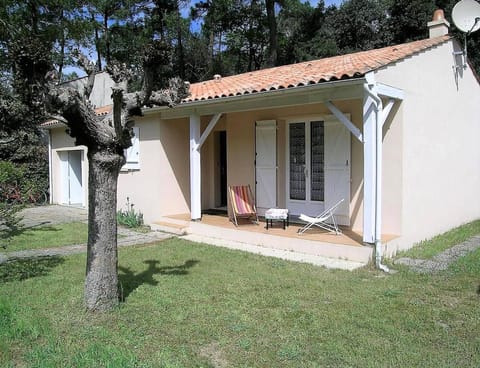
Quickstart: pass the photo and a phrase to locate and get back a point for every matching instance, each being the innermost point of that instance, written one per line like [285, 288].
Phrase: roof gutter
[255, 95]
[52, 125]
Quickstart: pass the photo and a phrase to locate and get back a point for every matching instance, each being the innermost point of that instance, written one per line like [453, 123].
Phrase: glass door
[306, 174]
[297, 167]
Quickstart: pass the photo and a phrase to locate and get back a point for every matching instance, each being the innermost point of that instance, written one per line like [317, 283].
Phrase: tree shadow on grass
[25, 268]
[20, 227]
[44, 226]
[7, 235]
[129, 280]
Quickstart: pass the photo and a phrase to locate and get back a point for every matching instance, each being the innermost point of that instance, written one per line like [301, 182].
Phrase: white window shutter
[132, 154]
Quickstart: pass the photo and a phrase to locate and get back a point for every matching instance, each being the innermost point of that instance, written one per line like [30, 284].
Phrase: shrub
[18, 186]
[11, 182]
[130, 217]
[9, 222]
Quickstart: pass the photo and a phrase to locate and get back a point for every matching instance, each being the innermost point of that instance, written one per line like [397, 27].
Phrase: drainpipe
[378, 177]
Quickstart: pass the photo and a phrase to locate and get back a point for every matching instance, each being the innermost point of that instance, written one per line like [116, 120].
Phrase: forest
[209, 37]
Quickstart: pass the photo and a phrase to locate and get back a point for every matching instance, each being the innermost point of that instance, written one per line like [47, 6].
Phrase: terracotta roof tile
[104, 110]
[99, 111]
[310, 72]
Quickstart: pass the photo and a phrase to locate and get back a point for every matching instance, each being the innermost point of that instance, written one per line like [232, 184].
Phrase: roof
[54, 123]
[311, 72]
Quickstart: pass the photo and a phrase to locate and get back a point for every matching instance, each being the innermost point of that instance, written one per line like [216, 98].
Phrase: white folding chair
[326, 220]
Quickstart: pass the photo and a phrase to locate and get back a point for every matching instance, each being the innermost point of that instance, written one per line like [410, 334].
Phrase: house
[394, 131]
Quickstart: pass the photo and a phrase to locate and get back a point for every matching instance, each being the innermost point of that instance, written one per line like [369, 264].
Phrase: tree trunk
[106, 36]
[62, 46]
[106, 139]
[181, 53]
[97, 43]
[272, 28]
[101, 282]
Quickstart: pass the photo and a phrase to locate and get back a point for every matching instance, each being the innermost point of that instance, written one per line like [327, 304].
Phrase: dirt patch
[214, 354]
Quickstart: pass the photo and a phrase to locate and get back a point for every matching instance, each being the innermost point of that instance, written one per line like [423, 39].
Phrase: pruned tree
[106, 139]
[33, 93]
[27, 56]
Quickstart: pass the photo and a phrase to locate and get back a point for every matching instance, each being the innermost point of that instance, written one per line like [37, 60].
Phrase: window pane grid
[297, 161]
[317, 150]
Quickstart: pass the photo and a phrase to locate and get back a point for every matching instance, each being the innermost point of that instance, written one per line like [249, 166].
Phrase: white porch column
[369, 168]
[195, 169]
[50, 181]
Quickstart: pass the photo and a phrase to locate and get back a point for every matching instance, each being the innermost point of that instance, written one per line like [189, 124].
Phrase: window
[317, 161]
[132, 153]
[297, 161]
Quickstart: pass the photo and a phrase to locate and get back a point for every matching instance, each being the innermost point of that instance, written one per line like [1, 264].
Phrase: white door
[266, 165]
[72, 188]
[318, 167]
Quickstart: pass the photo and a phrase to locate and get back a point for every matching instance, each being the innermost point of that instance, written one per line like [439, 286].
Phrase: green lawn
[48, 236]
[190, 305]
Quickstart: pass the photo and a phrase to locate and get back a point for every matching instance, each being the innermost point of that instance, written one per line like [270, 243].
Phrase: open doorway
[221, 170]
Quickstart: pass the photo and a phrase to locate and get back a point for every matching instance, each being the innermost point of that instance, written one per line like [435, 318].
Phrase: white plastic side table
[277, 214]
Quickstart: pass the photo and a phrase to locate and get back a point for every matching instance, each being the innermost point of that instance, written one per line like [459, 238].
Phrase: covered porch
[360, 109]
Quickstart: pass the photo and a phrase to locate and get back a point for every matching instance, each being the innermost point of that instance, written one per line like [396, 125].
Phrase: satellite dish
[466, 16]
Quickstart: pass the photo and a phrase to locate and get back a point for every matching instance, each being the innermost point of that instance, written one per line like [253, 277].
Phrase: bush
[9, 222]
[18, 186]
[11, 189]
[11, 173]
[130, 217]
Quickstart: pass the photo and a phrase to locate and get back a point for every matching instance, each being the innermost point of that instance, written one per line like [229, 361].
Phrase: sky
[327, 2]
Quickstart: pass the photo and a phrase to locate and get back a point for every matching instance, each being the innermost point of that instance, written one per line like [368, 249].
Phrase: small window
[132, 154]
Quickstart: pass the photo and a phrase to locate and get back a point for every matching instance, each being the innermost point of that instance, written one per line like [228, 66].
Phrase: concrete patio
[316, 246]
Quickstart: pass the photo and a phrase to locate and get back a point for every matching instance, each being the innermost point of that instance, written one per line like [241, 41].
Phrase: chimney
[439, 26]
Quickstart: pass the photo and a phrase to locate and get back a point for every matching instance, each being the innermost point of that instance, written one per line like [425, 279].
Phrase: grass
[48, 237]
[189, 305]
[54, 236]
[429, 248]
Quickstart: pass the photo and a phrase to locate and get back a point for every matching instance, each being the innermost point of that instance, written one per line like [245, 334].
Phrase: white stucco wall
[101, 94]
[439, 151]
[160, 186]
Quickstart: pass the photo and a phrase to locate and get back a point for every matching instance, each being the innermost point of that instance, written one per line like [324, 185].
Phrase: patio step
[278, 253]
[360, 255]
[171, 225]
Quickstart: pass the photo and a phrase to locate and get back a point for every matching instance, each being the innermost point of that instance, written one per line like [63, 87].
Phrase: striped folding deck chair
[243, 205]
